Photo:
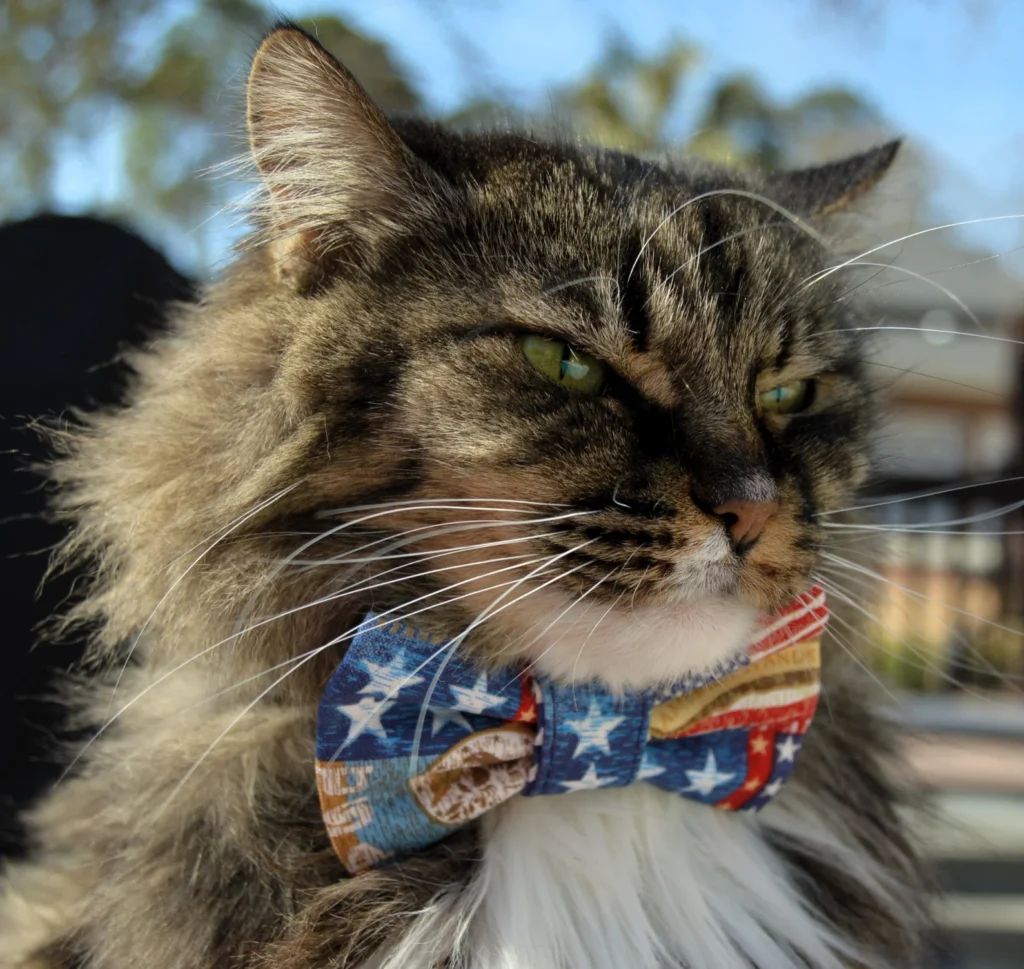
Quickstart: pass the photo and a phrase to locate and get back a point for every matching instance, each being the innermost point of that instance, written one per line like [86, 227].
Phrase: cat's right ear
[336, 174]
[834, 186]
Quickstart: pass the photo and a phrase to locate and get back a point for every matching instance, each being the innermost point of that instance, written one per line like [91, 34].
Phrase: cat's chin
[636, 647]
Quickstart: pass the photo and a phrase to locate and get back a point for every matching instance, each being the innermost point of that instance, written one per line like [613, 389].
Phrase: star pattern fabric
[414, 742]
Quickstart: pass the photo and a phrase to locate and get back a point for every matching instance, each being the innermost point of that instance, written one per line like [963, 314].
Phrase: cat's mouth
[629, 600]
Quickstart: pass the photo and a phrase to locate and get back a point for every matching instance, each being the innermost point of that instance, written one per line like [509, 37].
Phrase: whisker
[924, 665]
[241, 520]
[317, 649]
[237, 521]
[575, 602]
[931, 282]
[961, 265]
[587, 638]
[928, 329]
[706, 249]
[437, 529]
[742, 193]
[415, 502]
[310, 655]
[911, 235]
[604, 616]
[851, 651]
[987, 667]
[358, 588]
[488, 613]
[849, 292]
[380, 514]
[930, 376]
[921, 526]
[920, 595]
[920, 496]
[916, 530]
[571, 605]
[345, 591]
[579, 282]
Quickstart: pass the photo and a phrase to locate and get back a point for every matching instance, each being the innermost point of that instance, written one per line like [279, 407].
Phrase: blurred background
[118, 123]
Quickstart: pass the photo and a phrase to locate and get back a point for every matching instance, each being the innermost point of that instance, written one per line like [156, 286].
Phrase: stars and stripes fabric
[413, 742]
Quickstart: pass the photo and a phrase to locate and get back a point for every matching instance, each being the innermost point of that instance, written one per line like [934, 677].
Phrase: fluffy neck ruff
[634, 877]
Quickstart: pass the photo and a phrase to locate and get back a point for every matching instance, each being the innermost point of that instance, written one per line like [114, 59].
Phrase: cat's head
[633, 365]
[602, 400]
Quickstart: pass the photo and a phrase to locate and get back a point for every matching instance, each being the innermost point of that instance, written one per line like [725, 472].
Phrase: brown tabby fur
[364, 352]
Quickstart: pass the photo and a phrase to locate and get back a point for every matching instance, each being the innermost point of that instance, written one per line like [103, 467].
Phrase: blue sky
[947, 73]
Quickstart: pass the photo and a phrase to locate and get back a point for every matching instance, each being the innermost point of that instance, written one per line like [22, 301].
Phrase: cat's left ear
[832, 187]
[337, 174]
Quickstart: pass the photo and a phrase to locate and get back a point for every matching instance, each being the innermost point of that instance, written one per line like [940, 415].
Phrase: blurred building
[951, 379]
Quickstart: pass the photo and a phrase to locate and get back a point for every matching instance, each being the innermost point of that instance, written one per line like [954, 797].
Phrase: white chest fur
[631, 878]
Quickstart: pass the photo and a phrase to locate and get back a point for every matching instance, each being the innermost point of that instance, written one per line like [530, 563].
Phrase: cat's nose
[745, 518]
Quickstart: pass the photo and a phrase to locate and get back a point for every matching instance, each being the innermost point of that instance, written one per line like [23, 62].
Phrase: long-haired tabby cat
[576, 412]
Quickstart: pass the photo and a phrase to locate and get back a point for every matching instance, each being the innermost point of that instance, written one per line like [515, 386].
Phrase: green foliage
[637, 103]
[632, 102]
[627, 100]
[140, 93]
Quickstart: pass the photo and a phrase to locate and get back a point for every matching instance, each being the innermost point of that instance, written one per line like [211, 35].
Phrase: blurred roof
[959, 368]
[975, 277]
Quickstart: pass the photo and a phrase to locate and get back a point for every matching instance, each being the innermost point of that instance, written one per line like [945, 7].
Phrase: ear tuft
[334, 169]
[829, 188]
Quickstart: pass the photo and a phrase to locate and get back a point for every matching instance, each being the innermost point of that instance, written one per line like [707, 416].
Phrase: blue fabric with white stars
[373, 703]
[401, 698]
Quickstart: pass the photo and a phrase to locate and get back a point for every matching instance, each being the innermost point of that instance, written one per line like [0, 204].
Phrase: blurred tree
[633, 102]
[131, 90]
[628, 100]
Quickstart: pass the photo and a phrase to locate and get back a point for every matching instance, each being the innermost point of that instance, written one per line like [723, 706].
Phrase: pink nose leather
[750, 518]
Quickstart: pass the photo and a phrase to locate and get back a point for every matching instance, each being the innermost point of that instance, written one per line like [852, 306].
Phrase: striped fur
[351, 389]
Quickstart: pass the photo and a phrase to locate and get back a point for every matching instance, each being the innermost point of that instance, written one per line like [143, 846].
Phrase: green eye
[789, 398]
[561, 363]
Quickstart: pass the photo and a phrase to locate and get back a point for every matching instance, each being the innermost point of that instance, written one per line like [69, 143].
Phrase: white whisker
[241, 520]
[919, 595]
[924, 665]
[436, 530]
[349, 634]
[706, 249]
[415, 503]
[931, 282]
[575, 602]
[292, 611]
[924, 526]
[488, 613]
[928, 329]
[742, 193]
[851, 651]
[579, 282]
[910, 235]
[920, 496]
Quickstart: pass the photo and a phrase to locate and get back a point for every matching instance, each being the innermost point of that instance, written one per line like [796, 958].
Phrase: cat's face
[631, 378]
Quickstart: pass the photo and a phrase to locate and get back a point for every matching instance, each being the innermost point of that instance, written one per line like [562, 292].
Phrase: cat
[450, 368]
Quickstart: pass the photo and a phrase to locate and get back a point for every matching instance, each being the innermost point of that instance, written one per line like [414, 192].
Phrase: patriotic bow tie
[394, 778]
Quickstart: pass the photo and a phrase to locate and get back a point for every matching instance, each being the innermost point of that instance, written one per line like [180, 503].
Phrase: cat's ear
[832, 187]
[335, 171]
